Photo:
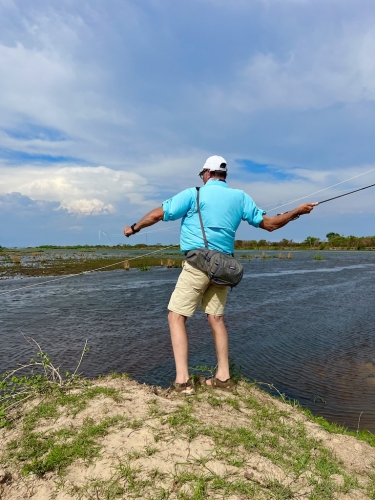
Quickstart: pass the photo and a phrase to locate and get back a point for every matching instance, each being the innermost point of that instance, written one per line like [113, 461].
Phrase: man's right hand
[305, 208]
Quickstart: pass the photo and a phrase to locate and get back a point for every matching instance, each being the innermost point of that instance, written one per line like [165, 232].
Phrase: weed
[142, 267]
[136, 423]
[150, 450]
[318, 257]
[43, 379]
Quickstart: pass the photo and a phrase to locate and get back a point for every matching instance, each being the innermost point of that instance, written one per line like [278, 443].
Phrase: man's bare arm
[278, 221]
[149, 219]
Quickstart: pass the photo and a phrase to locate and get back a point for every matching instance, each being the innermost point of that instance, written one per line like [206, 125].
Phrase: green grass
[41, 452]
[332, 427]
[241, 426]
[270, 433]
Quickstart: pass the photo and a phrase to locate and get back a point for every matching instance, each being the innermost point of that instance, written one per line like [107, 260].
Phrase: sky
[108, 108]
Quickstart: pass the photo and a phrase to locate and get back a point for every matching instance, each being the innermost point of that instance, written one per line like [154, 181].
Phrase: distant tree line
[334, 241]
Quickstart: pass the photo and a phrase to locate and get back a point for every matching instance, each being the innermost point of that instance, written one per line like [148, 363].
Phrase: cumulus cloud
[80, 190]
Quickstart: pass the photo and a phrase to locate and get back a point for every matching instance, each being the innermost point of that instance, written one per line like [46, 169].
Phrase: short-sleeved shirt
[222, 210]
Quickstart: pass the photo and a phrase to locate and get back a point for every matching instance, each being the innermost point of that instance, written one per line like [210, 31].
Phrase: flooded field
[61, 262]
[305, 325]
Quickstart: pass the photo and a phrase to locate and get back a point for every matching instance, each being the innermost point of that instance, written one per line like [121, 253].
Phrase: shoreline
[114, 438]
[37, 266]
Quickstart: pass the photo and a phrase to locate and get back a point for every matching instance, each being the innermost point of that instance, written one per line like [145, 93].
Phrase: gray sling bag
[221, 268]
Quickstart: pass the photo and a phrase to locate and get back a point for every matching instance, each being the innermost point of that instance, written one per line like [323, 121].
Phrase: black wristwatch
[134, 230]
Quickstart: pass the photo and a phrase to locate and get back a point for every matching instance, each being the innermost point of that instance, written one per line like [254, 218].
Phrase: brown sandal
[187, 388]
[224, 385]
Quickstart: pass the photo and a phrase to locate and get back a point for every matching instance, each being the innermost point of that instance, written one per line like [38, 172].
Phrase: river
[305, 326]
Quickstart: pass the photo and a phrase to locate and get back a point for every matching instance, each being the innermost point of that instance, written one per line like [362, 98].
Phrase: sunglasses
[202, 173]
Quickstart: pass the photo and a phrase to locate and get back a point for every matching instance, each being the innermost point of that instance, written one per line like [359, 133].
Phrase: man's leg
[220, 336]
[213, 304]
[179, 345]
[189, 289]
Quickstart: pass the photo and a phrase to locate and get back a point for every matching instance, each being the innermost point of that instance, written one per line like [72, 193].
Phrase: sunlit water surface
[304, 325]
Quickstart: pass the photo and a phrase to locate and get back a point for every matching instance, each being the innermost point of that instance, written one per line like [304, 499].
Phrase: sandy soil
[158, 452]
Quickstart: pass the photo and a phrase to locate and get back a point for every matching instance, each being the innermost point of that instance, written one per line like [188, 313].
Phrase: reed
[16, 259]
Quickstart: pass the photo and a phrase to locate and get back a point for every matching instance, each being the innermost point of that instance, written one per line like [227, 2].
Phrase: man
[222, 210]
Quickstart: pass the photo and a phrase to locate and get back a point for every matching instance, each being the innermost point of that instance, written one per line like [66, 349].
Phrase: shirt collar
[217, 182]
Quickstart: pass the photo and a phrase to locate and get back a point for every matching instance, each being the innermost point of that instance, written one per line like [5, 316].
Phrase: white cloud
[81, 190]
[88, 207]
[317, 72]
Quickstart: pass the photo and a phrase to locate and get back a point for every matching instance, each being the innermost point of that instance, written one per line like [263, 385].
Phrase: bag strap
[200, 220]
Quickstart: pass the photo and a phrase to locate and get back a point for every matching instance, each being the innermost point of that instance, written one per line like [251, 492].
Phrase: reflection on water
[305, 326]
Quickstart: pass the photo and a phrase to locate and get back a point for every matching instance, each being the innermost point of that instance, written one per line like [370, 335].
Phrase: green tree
[311, 241]
[332, 235]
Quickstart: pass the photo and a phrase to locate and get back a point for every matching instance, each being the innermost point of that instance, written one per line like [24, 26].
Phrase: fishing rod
[320, 191]
[345, 194]
[334, 198]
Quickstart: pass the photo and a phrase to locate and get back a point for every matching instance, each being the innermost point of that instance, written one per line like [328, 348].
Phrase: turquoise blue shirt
[222, 210]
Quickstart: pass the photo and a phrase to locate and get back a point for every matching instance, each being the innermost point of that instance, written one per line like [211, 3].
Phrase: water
[304, 325]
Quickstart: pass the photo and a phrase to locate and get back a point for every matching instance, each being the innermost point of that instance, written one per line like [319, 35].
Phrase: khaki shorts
[192, 286]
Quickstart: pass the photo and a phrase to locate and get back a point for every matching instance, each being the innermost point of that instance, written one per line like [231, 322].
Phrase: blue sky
[108, 108]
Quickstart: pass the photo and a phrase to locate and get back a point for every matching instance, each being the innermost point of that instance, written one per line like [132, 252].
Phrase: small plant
[142, 267]
[15, 389]
[318, 257]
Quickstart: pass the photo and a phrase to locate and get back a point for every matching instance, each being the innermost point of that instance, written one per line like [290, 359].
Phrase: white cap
[214, 163]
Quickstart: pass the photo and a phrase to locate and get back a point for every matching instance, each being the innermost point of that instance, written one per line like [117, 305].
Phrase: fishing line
[174, 228]
[321, 190]
[84, 272]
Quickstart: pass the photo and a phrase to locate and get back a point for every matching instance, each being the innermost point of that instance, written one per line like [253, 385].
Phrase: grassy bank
[113, 438]
[55, 264]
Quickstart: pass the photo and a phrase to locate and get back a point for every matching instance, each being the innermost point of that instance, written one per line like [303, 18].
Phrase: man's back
[222, 210]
